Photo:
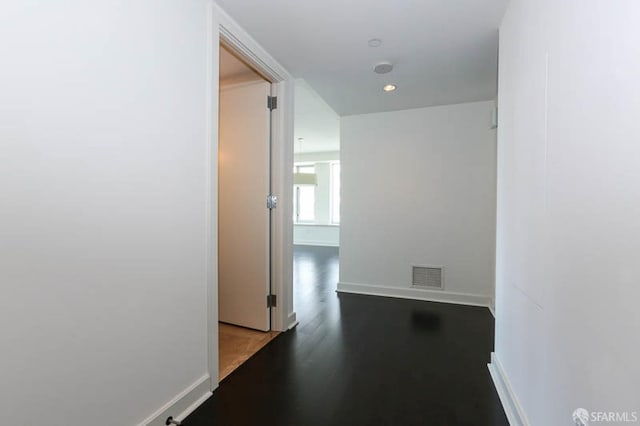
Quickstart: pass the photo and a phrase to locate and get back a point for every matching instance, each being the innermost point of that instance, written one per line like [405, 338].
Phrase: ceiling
[315, 122]
[443, 51]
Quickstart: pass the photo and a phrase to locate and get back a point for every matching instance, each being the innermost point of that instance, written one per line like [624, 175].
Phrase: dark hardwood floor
[362, 360]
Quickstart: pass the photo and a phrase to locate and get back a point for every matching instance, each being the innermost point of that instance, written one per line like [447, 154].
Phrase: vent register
[427, 277]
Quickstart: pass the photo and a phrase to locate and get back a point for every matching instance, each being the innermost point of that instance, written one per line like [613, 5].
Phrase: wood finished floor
[362, 360]
[238, 344]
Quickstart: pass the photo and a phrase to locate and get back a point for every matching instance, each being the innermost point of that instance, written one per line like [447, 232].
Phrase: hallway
[362, 360]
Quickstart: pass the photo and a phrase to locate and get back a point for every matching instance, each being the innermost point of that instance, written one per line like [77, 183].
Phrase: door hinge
[271, 301]
[272, 201]
[272, 102]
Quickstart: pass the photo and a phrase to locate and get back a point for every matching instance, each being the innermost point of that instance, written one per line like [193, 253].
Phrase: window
[304, 197]
[335, 193]
[316, 193]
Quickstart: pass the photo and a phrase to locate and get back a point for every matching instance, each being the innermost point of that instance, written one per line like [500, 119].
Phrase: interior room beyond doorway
[244, 221]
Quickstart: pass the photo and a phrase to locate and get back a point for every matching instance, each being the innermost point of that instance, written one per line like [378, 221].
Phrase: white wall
[102, 219]
[316, 235]
[568, 227]
[418, 187]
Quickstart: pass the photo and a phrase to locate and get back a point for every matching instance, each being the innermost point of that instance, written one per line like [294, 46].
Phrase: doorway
[225, 31]
[316, 200]
[244, 218]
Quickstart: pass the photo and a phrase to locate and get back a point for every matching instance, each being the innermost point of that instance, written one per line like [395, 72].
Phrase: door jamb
[222, 28]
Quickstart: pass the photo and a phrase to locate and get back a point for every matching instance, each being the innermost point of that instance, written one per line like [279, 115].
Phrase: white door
[243, 217]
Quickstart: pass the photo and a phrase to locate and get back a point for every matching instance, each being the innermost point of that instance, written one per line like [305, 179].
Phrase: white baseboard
[183, 404]
[492, 307]
[316, 243]
[292, 321]
[416, 294]
[510, 403]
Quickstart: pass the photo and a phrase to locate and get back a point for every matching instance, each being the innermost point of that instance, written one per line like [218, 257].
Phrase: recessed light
[383, 68]
[389, 88]
[375, 42]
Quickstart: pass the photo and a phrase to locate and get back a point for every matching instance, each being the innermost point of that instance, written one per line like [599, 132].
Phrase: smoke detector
[383, 68]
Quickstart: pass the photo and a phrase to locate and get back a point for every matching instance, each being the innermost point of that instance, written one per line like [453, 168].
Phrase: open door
[243, 216]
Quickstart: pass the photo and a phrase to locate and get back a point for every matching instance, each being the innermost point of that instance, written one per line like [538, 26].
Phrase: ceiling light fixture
[375, 42]
[389, 87]
[383, 67]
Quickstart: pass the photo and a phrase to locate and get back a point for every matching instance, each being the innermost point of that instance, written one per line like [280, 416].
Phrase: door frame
[223, 29]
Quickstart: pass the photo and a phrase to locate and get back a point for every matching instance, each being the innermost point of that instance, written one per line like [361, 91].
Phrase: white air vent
[429, 277]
